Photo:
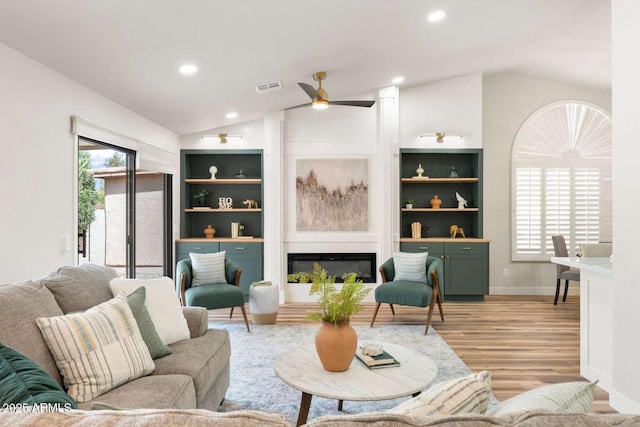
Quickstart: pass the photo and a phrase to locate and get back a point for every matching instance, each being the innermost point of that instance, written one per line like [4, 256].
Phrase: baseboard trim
[622, 403]
[530, 290]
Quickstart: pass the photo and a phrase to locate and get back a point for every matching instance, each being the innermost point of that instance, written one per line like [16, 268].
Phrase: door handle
[466, 248]
[197, 248]
[239, 248]
[423, 247]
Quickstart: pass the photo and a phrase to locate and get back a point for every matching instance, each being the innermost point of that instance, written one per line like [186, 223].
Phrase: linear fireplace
[336, 264]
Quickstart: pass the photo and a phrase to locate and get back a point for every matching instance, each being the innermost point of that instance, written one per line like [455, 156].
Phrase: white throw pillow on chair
[207, 269]
[410, 266]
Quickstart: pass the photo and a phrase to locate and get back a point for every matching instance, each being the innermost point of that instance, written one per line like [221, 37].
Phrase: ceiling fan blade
[298, 106]
[353, 103]
[310, 90]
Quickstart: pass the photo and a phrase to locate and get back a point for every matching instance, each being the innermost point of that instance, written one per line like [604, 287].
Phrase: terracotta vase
[435, 202]
[209, 232]
[336, 345]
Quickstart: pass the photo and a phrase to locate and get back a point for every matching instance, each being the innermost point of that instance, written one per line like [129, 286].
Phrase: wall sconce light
[441, 136]
[221, 137]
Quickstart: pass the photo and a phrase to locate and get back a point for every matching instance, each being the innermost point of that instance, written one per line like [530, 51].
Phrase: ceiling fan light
[320, 104]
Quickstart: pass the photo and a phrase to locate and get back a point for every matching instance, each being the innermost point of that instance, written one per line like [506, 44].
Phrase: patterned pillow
[457, 396]
[97, 350]
[563, 397]
[410, 266]
[208, 268]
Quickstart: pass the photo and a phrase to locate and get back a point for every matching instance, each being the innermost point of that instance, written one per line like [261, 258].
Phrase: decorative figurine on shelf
[250, 204]
[225, 203]
[240, 175]
[425, 229]
[453, 173]
[213, 170]
[454, 230]
[462, 202]
[419, 172]
[435, 202]
[209, 232]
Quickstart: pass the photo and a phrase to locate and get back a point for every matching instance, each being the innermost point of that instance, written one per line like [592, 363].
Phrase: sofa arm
[197, 320]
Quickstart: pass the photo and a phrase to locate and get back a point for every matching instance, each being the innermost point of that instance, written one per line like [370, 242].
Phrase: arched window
[561, 183]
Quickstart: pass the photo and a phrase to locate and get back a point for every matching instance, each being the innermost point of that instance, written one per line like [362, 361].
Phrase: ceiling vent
[268, 87]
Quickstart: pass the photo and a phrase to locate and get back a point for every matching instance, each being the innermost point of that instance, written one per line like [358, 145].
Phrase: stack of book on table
[384, 360]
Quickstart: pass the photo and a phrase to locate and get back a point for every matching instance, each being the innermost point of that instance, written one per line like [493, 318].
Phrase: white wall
[452, 106]
[335, 133]
[625, 396]
[508, 100]
[37, 161]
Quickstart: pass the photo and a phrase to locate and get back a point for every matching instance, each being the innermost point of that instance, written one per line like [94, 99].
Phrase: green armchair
[215, 295]
[415, 294]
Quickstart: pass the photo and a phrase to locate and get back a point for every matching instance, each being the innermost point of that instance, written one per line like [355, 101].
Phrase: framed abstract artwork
[332, 194]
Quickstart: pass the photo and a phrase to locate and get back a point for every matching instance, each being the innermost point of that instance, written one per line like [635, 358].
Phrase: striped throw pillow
[457, 396]
[97, 350]
[410, 266]
[208, 269]
[574, 397]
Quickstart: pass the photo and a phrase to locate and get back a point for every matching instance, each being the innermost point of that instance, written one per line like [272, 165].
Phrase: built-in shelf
[439, 210]
[223, 181]
[439, 180]
[210, 210]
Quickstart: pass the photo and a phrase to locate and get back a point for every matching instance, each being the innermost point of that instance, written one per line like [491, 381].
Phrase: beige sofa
[195, 375]
[200, 418]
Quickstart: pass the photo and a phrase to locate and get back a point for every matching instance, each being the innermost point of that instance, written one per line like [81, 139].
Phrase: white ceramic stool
[263, 303]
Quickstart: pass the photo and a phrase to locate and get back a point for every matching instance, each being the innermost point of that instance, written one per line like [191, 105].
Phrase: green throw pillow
[22, 381]
[145, 324]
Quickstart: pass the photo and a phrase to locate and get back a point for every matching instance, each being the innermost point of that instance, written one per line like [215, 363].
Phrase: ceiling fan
[320, 97]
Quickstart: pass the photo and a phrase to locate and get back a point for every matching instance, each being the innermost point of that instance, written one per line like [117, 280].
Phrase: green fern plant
[336, 306]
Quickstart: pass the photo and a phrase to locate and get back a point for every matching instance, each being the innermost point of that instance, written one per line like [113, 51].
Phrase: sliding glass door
[123, 214]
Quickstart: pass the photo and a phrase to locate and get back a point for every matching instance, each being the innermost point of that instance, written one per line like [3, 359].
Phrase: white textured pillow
[410, 266]
[162, 304]
[576, 397]
[462, 395]
[97, 350]
[208, 268]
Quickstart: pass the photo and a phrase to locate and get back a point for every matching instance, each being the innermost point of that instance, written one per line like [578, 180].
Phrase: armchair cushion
[208, 268]
[214, 296]
[404, 292]
[162, 303]
[410, 266]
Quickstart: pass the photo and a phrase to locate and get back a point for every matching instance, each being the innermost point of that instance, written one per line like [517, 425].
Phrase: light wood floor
[525, 342]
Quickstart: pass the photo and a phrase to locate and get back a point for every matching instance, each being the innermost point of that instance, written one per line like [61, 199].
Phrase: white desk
[596, 317]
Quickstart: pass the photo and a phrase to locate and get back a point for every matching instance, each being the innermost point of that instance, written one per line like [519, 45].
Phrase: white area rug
[254, 384]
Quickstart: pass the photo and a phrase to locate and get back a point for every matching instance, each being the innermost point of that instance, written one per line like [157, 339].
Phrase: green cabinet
[466, 267]
[249, 257]
[232, 181]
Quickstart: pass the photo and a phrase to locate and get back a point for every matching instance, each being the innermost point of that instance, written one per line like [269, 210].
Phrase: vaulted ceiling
[130, 51]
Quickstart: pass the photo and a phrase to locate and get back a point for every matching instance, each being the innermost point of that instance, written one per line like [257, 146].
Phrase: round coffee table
[301, 369]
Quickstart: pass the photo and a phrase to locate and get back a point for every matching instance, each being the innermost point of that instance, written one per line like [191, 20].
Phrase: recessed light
[397, 80]
[231, 115]
[436, 15]
[188, 69]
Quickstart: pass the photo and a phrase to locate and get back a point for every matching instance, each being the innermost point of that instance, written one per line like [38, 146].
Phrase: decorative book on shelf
[384, 360]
